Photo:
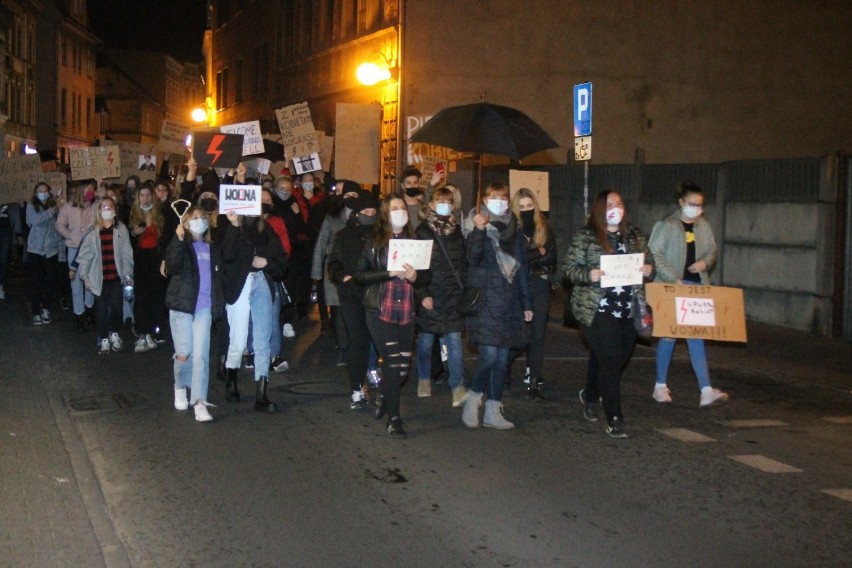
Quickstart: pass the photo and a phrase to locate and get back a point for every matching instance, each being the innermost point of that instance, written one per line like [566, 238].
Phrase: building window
[79, 113]
[222, 89]
[64, 50]
[63, 108]
[222, 12]
[238, 81]
[88, 118]
[261, 69]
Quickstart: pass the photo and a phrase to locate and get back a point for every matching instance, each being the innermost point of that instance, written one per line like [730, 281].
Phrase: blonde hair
[541, 225]
[99, 221]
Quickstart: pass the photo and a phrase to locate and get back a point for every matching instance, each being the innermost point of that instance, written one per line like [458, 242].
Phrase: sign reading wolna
[241, 199]
[583, 109]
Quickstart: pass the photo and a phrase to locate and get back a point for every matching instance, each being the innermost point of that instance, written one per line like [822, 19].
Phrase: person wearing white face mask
[104, 260]
[684, 251]
[605, 314]
[194, 299]
[43, 247]
[146, 227]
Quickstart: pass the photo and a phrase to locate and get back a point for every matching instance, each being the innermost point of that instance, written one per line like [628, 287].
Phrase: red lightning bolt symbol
[683, 309]
[395, 254]
[109, 158]
[213, 148]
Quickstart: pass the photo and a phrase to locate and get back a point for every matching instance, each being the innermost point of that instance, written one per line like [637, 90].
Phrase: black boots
[232, 394]
[380, 408]
[261, 403]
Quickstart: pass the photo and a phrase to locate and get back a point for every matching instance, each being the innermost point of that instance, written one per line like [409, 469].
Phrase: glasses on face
[692, 204]
[107, 209]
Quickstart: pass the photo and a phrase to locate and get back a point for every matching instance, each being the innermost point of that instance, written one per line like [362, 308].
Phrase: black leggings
[108, 308]
[611, 342]
[43, 278]
[395, 344]
[358, 353]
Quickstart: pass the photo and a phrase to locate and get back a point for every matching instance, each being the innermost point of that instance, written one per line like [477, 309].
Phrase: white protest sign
[241, 199]
[309, 163]
[695, 311]
[173, 137]
[252, 137]
[415, 252]
[538, 182]
[16, 183]
[95, 162]
[297, 130]
[621, 269]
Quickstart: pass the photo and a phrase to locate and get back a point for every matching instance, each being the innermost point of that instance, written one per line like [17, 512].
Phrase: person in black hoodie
[253, 260]
[289, 204]
[342, 263]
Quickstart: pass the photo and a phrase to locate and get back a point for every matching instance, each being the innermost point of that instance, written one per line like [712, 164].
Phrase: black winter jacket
[346, 248]
[372, 272]
[443, 288]
[182, 266]
[499, 319]
[239, 248]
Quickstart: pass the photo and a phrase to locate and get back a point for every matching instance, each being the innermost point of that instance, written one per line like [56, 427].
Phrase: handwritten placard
[356, 144]
[95, 162]
[16, 182]
[538, 182]
[252, 137]
[697, 312]
[241, 199]
[621, 269]
[56, 180]
[173, 137]
[297, 130]
[415, 252]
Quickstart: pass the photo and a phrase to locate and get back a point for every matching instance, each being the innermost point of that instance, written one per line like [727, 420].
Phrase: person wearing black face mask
[342, 264]
[540, 246]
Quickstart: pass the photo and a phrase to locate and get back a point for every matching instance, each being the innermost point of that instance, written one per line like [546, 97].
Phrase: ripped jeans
[395, 344]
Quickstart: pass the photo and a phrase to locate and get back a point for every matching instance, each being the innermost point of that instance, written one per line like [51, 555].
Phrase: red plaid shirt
[397, 304]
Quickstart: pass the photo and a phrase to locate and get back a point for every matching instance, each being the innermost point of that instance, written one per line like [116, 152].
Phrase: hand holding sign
[239, 199]
[621, 269]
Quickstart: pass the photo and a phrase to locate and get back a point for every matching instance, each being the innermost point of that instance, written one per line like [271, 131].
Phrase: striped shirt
[108, 255]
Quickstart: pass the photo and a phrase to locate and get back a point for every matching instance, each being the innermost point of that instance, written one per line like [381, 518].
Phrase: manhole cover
[94, 403]
[315, 388]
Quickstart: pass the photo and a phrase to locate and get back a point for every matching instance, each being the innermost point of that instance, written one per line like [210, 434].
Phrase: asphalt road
[318, 484]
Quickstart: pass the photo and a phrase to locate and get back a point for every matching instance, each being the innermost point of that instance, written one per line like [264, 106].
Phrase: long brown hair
[51, 200]
[597, 219]
[541, 225]
[384, 231]
[137, 216]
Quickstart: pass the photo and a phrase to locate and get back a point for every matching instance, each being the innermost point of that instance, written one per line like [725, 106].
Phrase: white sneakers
[181, 402]
[115, 342]
[712, 397]
[141, 346]
[459, 396]
[289, 331]
[201, 412]
[662, 393]
[149, 341]
[103, 348]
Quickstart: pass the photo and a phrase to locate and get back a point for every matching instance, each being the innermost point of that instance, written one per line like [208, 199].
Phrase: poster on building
[15, 177]
[211, 149]
[697, 312]
[428, 166]
[240, 199]
[356, 143]
[252, 137]
[173, 137]
[95, 162]
[538, 182]
[298, 134]
[138, 159]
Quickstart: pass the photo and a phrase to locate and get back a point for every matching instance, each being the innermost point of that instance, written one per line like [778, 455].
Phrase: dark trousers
[108, 308]
[149, 289]
[5, 253]
[611, 342]
[341, 335]
[540, 292]
[43, 272]
[359, 341]
[395, 344]
[321, 305]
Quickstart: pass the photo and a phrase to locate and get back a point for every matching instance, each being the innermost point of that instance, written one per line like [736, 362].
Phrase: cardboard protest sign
[417, 253]
[297, 130]
[241, 199]
[538, 182]
[252, 137]
[16, 182]
[56, 180]
[173, 137]
[697, 312]
[622, 269]
[211, 149]
[309, 163]
[428, 166]
[133, 160]
[326, 151]
[95, 162]
[356, 151]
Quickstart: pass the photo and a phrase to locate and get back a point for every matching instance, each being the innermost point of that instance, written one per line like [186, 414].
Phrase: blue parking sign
[583, 109]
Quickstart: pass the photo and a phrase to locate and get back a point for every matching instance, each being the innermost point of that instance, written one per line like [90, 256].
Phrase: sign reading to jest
[697, 312]
[241, 199]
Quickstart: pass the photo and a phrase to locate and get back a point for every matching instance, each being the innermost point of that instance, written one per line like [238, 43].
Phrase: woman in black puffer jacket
[438, 315]
[498, 267]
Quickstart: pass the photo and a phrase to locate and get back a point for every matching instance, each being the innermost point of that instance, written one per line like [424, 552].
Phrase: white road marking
[845, 494]
[763, 463]
[754, 423]
[685, 435]
[838, 419]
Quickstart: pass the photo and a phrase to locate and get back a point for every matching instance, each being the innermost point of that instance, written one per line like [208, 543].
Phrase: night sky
[175, 27]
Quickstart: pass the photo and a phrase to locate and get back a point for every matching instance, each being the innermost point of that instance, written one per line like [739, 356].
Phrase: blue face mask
[444, 209]
[43, 196]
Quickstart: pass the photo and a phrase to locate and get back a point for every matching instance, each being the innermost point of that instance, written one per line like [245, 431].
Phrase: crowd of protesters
[157, 260]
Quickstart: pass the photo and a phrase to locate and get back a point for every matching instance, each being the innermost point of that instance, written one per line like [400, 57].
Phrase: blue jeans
[492, 365]
[275, 336]
[81, 297]
[255, 303]
[191, 336]
[455, 356]
[697, 356]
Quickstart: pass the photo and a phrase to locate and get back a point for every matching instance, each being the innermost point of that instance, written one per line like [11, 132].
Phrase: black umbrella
[484, 128]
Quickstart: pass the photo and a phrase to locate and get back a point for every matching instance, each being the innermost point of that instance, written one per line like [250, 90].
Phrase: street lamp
[199, 114]
[376, 69]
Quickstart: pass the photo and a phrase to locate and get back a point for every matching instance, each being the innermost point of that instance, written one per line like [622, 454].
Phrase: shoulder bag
[470, 296]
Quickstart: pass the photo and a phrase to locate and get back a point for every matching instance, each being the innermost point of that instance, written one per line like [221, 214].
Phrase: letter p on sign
[583, 109]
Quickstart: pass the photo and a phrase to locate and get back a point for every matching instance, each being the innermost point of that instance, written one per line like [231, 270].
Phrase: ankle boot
[232, 393]
[470, 414]
[493, 417]
[533, 392]
[261, 403]
[81, 323]
[380, 409]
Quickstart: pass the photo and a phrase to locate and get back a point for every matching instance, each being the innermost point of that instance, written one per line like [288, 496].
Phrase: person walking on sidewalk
[684, 252]
[194, 299]
[497, 265]
[43, 244]
[104, 261]
[605, 314]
